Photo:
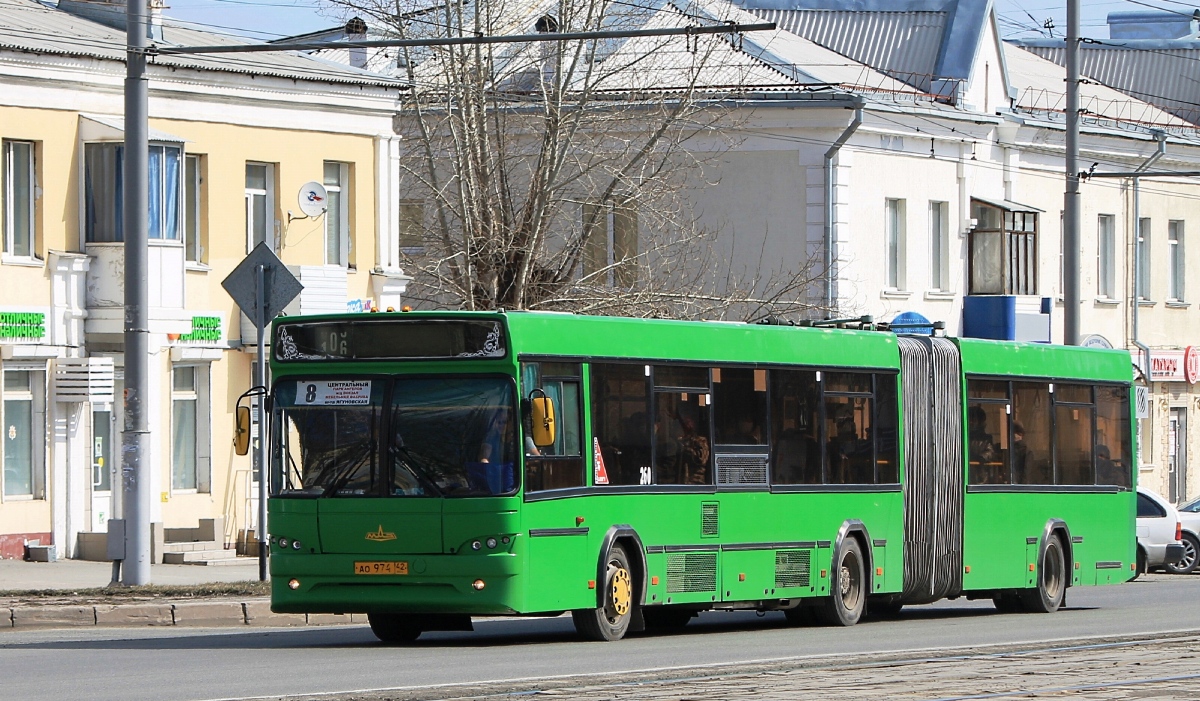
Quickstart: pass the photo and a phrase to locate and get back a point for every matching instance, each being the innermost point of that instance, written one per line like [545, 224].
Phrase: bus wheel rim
[620, 593]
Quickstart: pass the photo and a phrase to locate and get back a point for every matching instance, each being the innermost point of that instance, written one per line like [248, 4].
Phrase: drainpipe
[830, 156]
[1161, 137]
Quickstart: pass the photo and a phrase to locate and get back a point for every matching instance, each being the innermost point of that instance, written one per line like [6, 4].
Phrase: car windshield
[1191, 507]
[420, 437]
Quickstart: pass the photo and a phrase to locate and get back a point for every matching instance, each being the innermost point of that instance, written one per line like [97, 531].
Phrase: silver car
[1158, 532]
[1189, 519]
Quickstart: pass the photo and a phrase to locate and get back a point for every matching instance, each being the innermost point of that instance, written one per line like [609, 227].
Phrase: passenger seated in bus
[1022, 459]
[981, 450]
[693, 454]
[748, 432]
[797, 459]
[849, 456]
[1108, 471]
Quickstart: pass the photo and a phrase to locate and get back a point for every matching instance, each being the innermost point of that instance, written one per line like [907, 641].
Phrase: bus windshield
[419, 437]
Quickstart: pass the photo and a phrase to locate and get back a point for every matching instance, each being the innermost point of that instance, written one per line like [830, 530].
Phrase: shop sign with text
[23, 326]
[1173, 365]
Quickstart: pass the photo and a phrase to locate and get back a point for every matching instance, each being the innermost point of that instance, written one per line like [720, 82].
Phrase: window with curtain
[260, 204]
[1175, 250]
[18, 198]
[939, 246]
[1142, 284]
[104, 191]
[894, 237]
[337, 216]
[1106, 265]
[193, 245]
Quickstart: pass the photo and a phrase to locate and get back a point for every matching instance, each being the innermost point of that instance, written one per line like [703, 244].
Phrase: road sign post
[262, 286]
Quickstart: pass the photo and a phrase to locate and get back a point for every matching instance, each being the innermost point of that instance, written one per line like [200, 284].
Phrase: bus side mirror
[241, 433]
[542, 418]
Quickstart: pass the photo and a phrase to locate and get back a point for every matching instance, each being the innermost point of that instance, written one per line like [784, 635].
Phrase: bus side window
[1112, 436]
[886, 437]
[1031, 434]
[557, 466]
[795, 427]
[620, 399]
[1074, 433]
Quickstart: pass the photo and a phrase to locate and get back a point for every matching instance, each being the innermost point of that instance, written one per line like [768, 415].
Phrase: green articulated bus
[430, 467]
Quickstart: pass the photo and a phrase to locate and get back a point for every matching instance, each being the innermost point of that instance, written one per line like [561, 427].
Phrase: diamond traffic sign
[281, 287]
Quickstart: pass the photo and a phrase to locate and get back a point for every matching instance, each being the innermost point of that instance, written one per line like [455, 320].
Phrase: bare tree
[558, 175]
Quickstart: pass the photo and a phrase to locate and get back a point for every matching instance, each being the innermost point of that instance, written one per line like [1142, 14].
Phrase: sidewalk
[17, 575]
[72, 609]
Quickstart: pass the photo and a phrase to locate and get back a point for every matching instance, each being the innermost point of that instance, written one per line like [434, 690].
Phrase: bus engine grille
[792, 568]
[689, 572]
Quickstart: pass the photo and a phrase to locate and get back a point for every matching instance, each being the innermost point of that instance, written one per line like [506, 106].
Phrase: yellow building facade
[233, 143]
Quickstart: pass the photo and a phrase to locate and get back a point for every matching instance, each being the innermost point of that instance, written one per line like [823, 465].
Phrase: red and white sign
[1173, 365]
[601, 474]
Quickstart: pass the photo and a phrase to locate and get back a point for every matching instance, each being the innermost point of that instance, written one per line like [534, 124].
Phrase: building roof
[1040, 83]
[1163, 72]
[34, 27]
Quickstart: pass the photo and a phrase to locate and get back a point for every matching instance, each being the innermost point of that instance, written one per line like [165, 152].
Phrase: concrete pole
[1071, 302]
[135, 445]
[260, 380]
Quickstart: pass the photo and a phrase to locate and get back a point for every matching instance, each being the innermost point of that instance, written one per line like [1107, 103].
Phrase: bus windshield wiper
[416, 468]
[345, 473]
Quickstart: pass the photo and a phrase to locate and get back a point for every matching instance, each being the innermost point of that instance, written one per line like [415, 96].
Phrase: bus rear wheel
[610, 621]
[394, 628]
[1051, 587]
[846, 602]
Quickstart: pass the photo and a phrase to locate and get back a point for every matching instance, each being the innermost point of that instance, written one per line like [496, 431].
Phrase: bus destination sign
[334, 393]
[389, 339]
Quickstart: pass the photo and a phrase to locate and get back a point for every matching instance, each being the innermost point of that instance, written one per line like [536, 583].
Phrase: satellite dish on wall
[314, 200]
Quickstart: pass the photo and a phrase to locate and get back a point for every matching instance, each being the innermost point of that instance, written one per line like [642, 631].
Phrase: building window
[1002, 250]
[190, 456]
[939, 246]
[895, 244]
[19, 195]
[24, 420]
[337, 216]
[1106, 264]
[193, 213]
[610, 259]
[1142, 284]
[103, 192]
[260, 205]
[1175, 251]
[412, 227]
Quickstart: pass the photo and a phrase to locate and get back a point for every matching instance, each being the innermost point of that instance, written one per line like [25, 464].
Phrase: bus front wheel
[394, 628]
[610, 621]
[1051, 587]
[848, 597]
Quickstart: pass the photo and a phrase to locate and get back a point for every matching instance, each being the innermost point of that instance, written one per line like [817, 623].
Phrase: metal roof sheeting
[903, 45]
[1040, 82]
[32, 27]
[1165, 77]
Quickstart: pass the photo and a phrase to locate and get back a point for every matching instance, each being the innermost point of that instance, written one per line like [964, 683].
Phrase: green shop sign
[204, 328]
[22, 325]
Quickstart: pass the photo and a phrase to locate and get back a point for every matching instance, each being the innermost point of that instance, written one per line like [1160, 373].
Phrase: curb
[200, 614]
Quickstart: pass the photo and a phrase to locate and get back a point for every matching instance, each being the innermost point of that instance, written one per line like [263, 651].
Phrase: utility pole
[135, 444]
[1071, 204]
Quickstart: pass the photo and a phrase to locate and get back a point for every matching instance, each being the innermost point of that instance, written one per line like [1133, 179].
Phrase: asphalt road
[174, 665]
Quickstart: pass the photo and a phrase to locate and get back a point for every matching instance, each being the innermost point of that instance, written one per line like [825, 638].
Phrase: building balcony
[165, 283]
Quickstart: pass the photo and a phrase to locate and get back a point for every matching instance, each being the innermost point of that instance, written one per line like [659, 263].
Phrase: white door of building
[104, 466]
[1177, 455]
